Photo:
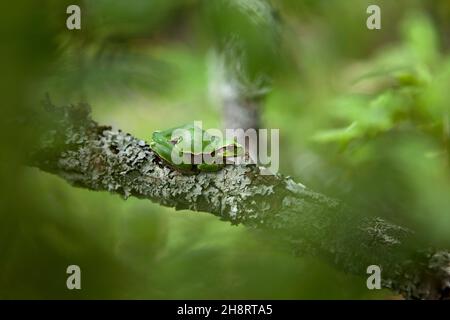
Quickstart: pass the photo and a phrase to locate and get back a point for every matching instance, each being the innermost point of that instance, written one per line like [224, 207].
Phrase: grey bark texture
[87, 155]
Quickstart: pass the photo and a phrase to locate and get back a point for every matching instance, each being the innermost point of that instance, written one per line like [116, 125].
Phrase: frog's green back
[191, 142]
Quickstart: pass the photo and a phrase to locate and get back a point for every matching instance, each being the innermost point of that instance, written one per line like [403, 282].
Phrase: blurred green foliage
[363, 116]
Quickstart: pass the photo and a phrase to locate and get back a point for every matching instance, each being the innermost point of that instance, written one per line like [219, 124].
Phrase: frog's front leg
[209, 167]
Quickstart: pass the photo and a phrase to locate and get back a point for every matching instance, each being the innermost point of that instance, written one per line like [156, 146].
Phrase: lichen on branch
[73, 146]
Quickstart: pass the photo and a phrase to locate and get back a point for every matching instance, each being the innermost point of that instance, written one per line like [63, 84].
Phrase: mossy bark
[74, 147]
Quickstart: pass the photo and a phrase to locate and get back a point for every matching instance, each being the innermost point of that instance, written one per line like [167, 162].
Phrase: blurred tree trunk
[242, 64]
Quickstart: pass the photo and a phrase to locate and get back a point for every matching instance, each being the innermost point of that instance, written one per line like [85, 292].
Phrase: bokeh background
[363, 116]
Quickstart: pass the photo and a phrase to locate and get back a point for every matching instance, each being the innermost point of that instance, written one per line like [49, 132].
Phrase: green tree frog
[189, 148]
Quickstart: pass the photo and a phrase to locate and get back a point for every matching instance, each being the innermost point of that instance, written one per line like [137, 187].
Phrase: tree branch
[74, 147]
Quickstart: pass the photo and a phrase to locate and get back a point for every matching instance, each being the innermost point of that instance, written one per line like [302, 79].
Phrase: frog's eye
[176, 140]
